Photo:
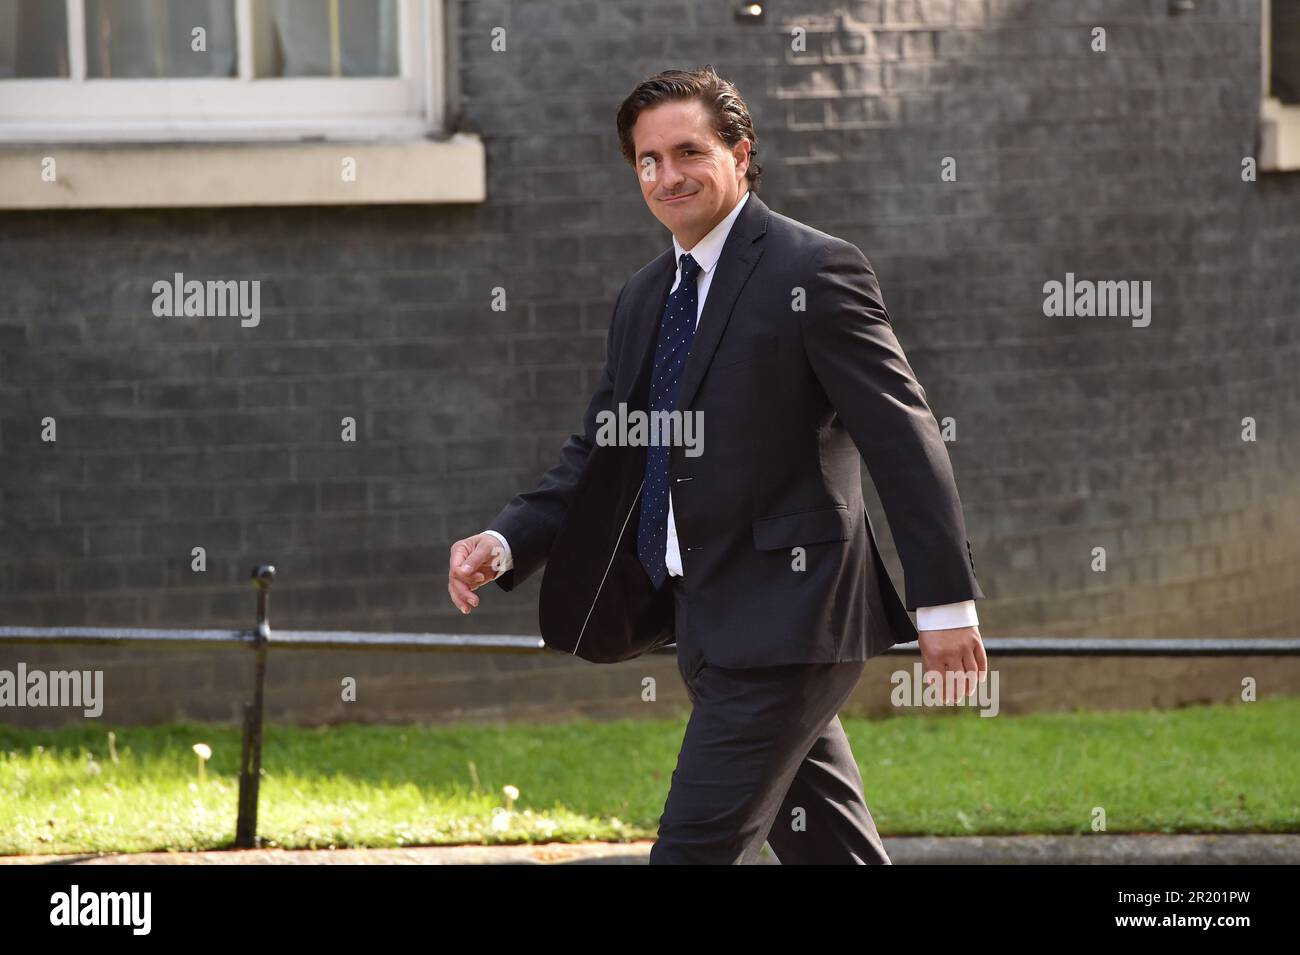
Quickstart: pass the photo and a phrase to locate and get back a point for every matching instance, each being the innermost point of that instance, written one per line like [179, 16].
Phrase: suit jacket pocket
[802, 527]
[740, 354]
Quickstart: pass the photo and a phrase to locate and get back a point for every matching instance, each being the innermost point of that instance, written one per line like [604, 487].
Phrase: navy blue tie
[676, 331]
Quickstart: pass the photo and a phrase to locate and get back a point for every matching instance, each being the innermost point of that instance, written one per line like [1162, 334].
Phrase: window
[1280, 115]
[1284, 52]
[194, 70]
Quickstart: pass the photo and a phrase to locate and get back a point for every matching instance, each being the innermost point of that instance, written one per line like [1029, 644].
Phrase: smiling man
[756, 557]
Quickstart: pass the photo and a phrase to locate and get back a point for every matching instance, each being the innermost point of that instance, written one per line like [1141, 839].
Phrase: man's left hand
[959, 652]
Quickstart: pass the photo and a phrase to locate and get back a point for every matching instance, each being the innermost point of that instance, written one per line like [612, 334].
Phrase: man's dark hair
[731, 120]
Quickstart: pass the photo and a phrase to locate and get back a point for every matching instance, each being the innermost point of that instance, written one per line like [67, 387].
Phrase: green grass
[1226, 768]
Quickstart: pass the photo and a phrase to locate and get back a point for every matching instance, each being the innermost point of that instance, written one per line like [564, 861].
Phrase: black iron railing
[260, 639]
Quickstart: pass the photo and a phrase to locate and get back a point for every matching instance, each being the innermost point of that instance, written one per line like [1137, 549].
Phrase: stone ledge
[191, 175]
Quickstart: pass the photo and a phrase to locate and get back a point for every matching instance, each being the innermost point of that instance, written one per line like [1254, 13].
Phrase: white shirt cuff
[503, 561]
[947, 616]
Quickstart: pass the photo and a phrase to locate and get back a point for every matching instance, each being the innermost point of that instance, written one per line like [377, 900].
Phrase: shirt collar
[709, 249]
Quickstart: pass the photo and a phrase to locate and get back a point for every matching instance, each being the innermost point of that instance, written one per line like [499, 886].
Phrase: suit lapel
[645, 327]
[740, 253]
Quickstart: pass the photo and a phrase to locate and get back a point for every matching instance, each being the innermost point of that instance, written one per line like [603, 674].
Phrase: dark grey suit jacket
[796, 370]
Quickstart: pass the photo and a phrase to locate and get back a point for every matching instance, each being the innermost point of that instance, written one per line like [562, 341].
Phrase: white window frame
[77, 109]
[1279, 123]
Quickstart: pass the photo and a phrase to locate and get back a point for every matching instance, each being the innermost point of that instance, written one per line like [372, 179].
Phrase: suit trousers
[764, 758]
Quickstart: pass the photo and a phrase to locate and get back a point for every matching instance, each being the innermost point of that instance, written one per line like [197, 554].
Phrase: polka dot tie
[676, 331]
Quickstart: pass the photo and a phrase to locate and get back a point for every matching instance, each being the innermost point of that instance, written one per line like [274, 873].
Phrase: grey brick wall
[1071, 433]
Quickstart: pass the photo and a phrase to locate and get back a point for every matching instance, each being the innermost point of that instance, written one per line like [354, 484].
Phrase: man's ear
[741, 153]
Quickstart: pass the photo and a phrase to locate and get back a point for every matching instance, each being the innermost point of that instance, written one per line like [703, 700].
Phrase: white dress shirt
[706, 254]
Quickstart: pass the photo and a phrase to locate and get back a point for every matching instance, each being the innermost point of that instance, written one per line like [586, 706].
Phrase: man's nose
[669, 177]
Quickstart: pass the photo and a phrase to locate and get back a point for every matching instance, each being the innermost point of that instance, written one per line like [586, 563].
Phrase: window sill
[1279, 137]
[121, 176]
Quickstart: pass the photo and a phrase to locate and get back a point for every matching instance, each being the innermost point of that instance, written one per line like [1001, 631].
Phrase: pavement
[1267, 849]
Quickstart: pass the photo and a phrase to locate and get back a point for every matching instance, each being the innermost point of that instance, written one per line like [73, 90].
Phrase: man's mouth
[679, 198]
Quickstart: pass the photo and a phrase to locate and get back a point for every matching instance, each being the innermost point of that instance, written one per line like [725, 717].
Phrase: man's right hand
[470, 567]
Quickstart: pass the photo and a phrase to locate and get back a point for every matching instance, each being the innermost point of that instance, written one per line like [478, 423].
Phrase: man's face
[689, 177]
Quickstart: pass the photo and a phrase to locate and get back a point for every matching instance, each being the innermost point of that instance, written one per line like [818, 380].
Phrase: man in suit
[756, 556]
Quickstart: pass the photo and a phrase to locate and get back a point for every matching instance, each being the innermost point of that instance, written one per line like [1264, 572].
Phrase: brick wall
[1072, 433]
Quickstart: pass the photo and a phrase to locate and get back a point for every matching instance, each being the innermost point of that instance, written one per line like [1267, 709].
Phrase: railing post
[250, 757]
